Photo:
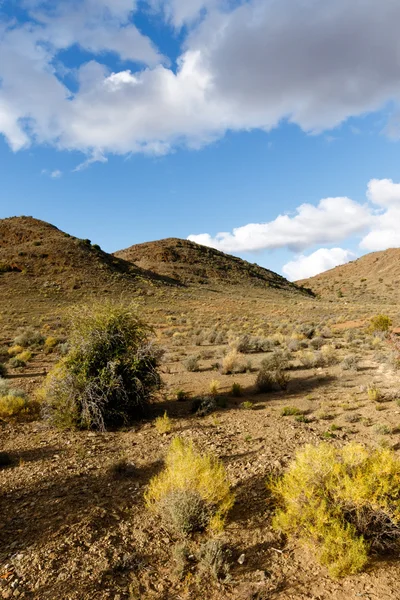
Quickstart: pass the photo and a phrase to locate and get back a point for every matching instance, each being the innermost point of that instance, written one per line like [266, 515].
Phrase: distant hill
[373, 277]
[194, 264]
[37, 257]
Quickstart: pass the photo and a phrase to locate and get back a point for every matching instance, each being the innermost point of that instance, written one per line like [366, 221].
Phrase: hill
[42, 268]
[374, 277]
[194, 264]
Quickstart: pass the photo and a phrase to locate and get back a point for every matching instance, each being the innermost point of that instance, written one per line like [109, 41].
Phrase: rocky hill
[373, 277]
[194, 264]
[36, 258]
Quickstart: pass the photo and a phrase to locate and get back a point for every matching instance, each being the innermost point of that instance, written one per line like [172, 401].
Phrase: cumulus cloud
[317, 262]
[333, 219]
[243, 65]
[377, 224]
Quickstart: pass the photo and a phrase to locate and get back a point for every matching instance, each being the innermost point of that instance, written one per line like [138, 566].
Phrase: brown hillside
[192, 263]
[36, 258]
[373, 277]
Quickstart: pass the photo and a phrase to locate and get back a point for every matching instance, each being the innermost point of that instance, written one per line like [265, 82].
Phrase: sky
[268, 129]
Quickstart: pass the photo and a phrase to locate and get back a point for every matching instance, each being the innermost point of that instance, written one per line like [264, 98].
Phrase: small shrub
[236, 390]
[29, 337]
[317, 343]
[181, 395]
[191, 364]
[288, 411]
[18, 407]
[350, 363]
[16, 363]
[230, 362]
[25, 356]
[214, 387]
[163, 424]
[3, 370]
[248, 405]
[192, 492]
[14, 350]
[270, 376]
[382, 429]
[213, 560]
[312, 360]
[345, 502]
[50, 343]
[374, 394]
[110, 373]
[380, 323]
[276, 361]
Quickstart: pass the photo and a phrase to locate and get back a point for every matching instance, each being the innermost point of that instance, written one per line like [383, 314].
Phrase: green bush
[109, 374]
[344, 502]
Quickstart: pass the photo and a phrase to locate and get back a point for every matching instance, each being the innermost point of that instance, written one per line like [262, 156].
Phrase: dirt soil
[74, 526]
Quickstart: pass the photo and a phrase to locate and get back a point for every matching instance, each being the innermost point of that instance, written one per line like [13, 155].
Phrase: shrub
[380, 323]
[277, 360]
[230, 362]
[247, 404]
[14, 350]
[192, 492]
[213, 560]
[374, 394]
[317, 343]
[29, 337]
[312, 360]
[16, 362]
[50, 343]
[181, 395]
[24, 356]
[288, 411]
[109, 374]
[350, 363]
[17, 407]
[191, 364]
[271, 375]
[236, 390]
[3, 370]
[163, 424]
[345, 501]
[214, 387]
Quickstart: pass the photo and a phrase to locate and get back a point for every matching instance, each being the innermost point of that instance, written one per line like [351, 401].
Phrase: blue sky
[268, 130]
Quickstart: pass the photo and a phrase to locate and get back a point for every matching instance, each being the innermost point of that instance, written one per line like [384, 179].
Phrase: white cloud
[55, 174]
[251, 66]
[385, 226]
[332, 220]
[321, 260]
[384, 192]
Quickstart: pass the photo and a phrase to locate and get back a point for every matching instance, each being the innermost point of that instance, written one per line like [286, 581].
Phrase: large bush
[346, 503]
[109, 374]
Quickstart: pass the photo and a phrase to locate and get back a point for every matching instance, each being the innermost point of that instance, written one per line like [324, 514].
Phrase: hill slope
[37, 257]
[192, 263]
[373, 277]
